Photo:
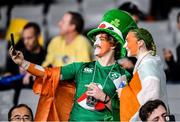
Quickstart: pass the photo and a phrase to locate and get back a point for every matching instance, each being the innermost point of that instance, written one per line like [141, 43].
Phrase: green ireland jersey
[82, 74]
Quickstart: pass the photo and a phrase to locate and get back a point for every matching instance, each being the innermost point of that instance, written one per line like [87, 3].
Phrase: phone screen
[12, 40]
[12, 44]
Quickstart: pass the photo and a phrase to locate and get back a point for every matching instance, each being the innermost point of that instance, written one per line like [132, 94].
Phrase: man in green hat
[96, 82]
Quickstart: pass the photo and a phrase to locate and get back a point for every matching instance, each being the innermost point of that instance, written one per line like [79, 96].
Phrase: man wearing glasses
[19, 113]
[155, 111]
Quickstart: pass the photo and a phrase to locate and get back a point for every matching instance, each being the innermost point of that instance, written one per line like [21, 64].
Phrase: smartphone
[170, 118]
[12, 43]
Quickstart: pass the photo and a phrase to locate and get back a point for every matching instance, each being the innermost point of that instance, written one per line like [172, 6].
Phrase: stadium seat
[32, 13]
[143, 5]
[173, 91]
[94, 10]
[28, 97]
[3, 18]
[3, 54]
[6, 102]
[172, 18]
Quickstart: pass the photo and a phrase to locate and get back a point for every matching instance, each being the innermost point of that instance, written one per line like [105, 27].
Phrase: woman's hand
[18, 57]
[95, 91]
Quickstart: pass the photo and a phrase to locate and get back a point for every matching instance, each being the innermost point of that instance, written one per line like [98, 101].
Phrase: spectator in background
[153, 111]
[178, 48]
[30, 47]
[70, 45]
[172, 67]
[178, 20]
[19, 113]
[32, 51]
[132, 9]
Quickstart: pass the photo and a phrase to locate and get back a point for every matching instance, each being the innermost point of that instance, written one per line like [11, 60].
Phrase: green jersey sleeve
[69, 72]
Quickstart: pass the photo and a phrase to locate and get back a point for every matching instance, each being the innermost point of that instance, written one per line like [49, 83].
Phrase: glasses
[19, 118]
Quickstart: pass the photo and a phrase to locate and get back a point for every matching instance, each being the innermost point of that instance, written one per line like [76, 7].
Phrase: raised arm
[34, 69]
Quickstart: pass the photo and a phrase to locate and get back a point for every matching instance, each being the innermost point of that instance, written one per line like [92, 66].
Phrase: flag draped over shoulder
[56, 98]
[129, 104]
[148, 83]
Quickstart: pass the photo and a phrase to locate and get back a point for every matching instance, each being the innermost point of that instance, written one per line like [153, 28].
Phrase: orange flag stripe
[56, 98]
[129, 103]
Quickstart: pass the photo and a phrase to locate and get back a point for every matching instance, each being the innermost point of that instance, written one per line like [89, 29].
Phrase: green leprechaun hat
[117, 23]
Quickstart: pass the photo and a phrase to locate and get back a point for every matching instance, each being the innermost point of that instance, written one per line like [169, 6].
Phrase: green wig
[143, 34]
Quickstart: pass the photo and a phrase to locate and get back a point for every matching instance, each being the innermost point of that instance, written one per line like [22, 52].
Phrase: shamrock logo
[115, 22]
